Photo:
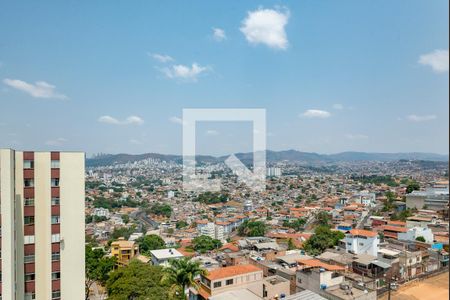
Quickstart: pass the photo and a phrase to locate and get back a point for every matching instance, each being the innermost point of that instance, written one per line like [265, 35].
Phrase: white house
[360, 241]
[162, 256]
[412, 233]
[101, 212]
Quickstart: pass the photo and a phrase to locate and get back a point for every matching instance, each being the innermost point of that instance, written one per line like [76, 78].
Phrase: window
[55, 256]
[28, 202]
[56, 294]
[229, 281]
[217, 284]
[28, 239]
[29, 277]
[55, 201]
[28, 220]
[55, 164]
[55, 182]
[55, 219]
[28, 164]
[56, 275]
[30, 296]
[28, 182]
[55, 238]
[28, 258]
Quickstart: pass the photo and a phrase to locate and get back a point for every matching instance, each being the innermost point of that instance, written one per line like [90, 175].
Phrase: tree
[137, 281]
[181, 224]
[412, 186]
[125, 218]
[205, 243]
[322, 239]
[291, 245]
[161, 209]
[297, 224]
[252, 228]
[420, 239]
[181, 274]
[150, 242]
[98, 267]
[323, 218]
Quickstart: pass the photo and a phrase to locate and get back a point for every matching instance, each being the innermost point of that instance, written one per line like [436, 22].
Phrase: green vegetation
[297, 224]
[376, 179]
[211, 198]
[412, 186]
[122, 232]
[181, 224]
[180, 275]
[252, 228]
[205, 243]
[322, 239]
[420, 239]
[323, 218]
[137, 281]
[161, 209]
[97, 269]
[291, 245]
[150, 242]
[402, 216]
[111, 203]
[125, 218]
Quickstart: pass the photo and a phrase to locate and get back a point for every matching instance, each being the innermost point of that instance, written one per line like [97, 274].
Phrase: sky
[333, 76]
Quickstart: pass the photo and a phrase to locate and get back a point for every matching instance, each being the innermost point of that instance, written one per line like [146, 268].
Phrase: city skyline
[115, 79]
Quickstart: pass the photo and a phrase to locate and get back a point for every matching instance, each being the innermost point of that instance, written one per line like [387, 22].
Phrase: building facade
[42, 225]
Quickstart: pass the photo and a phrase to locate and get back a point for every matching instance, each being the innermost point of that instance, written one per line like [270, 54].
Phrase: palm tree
[180, 274]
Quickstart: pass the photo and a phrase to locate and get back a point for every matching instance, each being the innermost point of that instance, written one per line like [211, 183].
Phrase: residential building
[413, 233]
[124, 251]
[359, 241]
[42, 225]
[161, 257]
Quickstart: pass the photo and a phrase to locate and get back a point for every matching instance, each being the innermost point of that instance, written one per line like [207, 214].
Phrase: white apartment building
[101, 212]
[412, 233]
[360, 241]
[42, 225]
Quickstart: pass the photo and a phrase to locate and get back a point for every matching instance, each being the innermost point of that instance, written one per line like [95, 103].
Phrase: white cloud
[316, 113]
[135, 142]
[131, 120]
[184, 72]
[56, 142]
[163, 58]
[266, 26]
[437, 60]
[423, 118]
[212, 132]
[40, 89]
[176, 120]
[356, 136]
[219, 34]
[338, 106]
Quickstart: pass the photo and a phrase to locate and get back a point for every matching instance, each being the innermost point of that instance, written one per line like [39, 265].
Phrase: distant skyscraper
[42, 225]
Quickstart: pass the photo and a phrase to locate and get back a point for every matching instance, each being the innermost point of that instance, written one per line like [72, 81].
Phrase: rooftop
[232, 271]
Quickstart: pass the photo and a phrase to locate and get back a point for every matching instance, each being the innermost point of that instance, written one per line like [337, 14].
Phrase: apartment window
[56, 219]
[217, 284]
[28, 164]
[55, 182]
[55, 256]
[229, 282]
[30, 296]
[29, 277]
[55, 201]
[28, 202]
[56, 294]
[28, 258]
[28, 220]
[55, 238]
[56, 275]
[28, 182]
[55, 164]
[28, 239]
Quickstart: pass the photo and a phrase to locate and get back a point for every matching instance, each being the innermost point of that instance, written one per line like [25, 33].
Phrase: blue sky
[333, 75]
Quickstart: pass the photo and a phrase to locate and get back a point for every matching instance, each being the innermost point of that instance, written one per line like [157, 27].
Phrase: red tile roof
[315, 263]
[363, 232]
[232, 271]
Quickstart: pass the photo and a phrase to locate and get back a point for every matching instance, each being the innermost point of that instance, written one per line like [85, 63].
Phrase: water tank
[323, 286]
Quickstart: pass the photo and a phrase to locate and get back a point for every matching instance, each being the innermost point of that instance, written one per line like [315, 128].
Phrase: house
[413, 233]
[124, 251]
[162, 256]
[359, 241]
[226, 279]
